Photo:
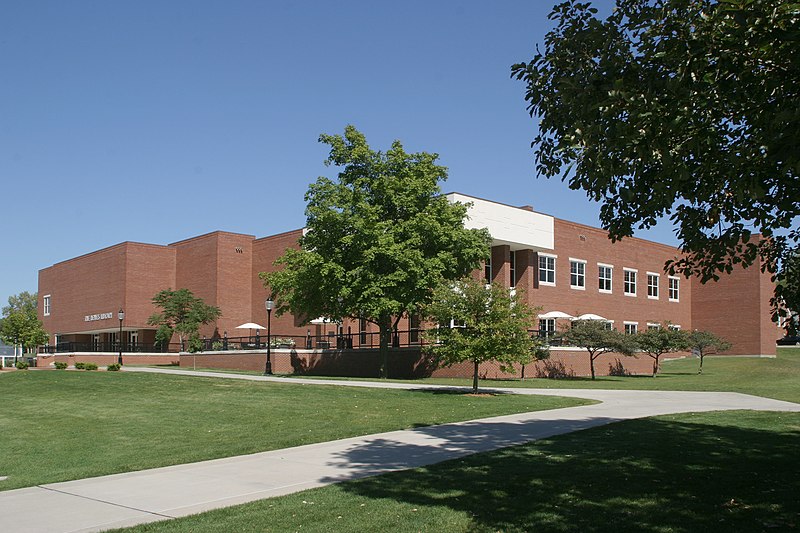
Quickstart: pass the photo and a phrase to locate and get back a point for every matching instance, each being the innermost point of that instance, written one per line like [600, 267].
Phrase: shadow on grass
[641, 475]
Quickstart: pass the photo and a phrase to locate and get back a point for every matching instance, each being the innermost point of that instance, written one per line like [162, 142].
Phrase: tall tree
[656, 342]
[596, 338]
[21, 326]
[704, 343]
[379, 239]
[480, 323]
[183, 313]
[680, 108]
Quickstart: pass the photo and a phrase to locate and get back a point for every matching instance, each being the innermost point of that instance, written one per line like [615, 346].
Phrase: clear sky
[156, 121]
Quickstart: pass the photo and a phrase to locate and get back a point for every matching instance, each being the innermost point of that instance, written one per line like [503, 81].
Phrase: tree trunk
[475, 378]
[655, 365]
[591, 364]
[385, 328]
[701, 363]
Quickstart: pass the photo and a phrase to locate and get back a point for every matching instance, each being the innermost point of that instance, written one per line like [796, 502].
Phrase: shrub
[113, 367]
[553, 370]
[60, 365]
[80, 365]
[216, 346]
[90, 366]
[616, 369]
[22, 365]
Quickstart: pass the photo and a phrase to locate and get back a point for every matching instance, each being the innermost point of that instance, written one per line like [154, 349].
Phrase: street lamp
[270, 305]
[121, 316]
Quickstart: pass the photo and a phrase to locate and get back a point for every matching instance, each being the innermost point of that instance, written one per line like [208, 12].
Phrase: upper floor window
[631, 327]
[487, 270]
[629, 282]
[46, 305]
[547, 269]
[604, 273]
[674, 327]
[512, 263]
[674, 289]
[652, 286]
[652, 326]
[577, 274]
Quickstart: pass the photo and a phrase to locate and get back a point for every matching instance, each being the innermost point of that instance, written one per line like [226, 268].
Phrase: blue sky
[157, 121]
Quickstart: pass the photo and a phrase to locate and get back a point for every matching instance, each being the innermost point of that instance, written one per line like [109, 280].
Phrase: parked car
[793, 340]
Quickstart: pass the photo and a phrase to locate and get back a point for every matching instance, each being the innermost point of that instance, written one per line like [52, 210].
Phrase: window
[577, 274]
[652, 286]
[674, 327]
[604, 273]
[631, 327]
[629, 282]
[487, 270]
[46, 305]
[547, 327]
[609, 325]
[547, 269]
[512, 264]
[674, 289]
[362, 331]
[652, 326]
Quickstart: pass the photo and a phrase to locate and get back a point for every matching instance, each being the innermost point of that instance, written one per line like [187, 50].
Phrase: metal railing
[331, 341]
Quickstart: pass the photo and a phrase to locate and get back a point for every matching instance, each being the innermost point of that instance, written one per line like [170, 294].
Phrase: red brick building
[563, 267]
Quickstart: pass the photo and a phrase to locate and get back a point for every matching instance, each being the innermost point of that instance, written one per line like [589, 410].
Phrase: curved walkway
[118, 500]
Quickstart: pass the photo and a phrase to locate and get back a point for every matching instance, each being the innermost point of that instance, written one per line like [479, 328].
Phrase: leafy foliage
[20, 323]
[685, 108]
[60, 365]
[596, 338]
[183, 313]
[491, 324]
[379, 239]
[704, 343]
[658, 341]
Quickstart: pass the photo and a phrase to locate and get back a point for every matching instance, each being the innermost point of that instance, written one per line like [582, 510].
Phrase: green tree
[656, 342]
[379, 239]
[596, 338]
[480, 323]
[24, 302]
[183, 313]
[681, 108]
[21, 325]
[705, 343]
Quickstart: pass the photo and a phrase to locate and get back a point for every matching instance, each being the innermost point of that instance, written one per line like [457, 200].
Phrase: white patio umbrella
[556, 314]
[590, 316]
[251, 326]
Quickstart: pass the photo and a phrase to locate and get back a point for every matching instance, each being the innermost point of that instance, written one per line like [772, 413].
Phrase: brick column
[501, 271]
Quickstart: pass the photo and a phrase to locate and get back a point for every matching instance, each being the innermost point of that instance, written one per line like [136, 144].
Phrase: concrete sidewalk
[118, 500]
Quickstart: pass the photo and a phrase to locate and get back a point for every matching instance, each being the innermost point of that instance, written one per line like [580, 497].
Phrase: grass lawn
[62, 425]
[725, 471]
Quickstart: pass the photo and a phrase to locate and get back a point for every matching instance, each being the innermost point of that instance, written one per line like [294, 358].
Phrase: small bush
[22, 365]
[616, 369]
[113, 367]
[80, 365]
[90, 366]
[553, 370]
[60, 365]
[216, 346]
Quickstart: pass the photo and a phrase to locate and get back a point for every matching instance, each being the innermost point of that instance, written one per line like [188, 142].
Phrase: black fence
[341, 340]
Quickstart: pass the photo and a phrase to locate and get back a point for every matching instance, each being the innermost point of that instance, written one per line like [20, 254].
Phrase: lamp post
[270, 305]
[121, 316]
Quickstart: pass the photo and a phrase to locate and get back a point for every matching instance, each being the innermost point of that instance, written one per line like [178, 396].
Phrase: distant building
[567, 269]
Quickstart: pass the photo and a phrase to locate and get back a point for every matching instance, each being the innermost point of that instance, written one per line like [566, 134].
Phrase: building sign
[101, 316]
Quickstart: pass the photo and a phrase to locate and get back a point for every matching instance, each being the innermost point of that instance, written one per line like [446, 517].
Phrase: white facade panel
[514, 226]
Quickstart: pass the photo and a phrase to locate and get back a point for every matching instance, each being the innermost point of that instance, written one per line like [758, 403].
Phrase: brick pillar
[501, 271]
[527, 264]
